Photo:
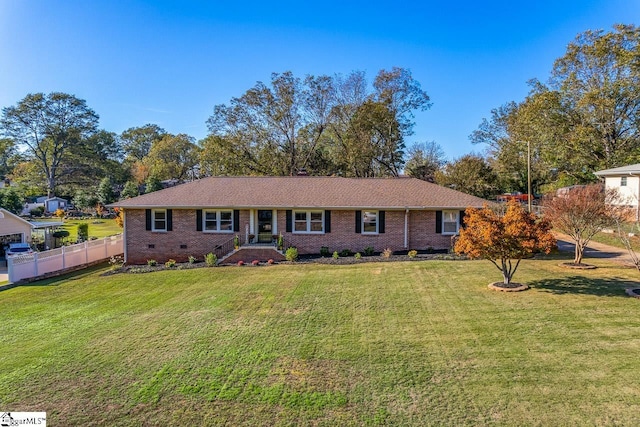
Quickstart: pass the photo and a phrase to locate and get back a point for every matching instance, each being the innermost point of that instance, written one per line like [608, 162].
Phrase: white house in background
[626, 180]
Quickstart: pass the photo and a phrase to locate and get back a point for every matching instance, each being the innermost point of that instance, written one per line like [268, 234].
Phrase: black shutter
[461, 219]
[439, 222]
[327, 221]
[236, 220]
[358, 222]
[148, 219]
[289, 220]
[381, 221]
[198, 219]
[169, 220]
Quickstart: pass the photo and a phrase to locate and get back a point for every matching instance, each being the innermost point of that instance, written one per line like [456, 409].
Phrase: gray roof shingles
[305, 192]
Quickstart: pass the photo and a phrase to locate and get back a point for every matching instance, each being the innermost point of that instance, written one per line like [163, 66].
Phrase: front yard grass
[407, 343]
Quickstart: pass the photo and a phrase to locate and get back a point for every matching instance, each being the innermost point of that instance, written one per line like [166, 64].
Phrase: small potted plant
[236, 241]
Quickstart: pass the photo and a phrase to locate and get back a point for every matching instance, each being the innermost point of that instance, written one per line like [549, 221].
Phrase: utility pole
[529, 175]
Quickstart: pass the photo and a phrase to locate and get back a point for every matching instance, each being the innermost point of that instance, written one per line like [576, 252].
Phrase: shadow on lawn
[585, 286]
[57, 280]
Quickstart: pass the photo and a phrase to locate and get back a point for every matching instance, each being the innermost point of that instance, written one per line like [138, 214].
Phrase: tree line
[584, 118]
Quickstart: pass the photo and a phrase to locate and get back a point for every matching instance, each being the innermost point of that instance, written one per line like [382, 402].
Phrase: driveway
[595, 250]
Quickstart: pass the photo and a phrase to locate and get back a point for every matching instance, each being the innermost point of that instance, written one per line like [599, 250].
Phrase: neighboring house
[309, 212]
[54, 203]
[626, 180]
[13, 229]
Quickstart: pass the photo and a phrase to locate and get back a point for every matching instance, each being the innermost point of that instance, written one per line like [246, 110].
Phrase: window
[159, 220]
[450, 222]
[308, 222]
[217, 221]
[623, 181]
[369, 222]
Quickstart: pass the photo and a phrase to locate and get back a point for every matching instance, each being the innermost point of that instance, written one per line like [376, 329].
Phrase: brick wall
[179, 244]
[185, 240]
[421, 231]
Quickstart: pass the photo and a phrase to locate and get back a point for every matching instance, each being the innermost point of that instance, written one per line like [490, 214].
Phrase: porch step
[251, 253]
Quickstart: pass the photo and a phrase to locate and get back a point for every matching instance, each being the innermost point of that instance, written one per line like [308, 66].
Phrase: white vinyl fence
[39, 263]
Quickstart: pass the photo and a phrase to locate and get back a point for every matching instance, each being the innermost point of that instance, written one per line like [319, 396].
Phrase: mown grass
[407, 343]
[98, 228]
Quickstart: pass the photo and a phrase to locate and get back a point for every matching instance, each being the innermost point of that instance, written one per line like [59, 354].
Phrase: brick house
[308, 212]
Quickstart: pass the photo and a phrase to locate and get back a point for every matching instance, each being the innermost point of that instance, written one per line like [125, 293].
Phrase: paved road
[595, 250]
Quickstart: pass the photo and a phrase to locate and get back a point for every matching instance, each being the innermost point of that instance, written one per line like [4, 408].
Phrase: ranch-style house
[308, 212]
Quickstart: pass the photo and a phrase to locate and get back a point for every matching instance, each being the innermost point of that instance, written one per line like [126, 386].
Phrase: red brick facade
[184, 240]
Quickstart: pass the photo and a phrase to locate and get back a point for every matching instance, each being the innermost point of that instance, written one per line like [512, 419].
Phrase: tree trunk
[578, 253]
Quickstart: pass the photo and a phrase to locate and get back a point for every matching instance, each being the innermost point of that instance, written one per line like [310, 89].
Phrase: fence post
[10, 269]
[35, 264]
[64, 261]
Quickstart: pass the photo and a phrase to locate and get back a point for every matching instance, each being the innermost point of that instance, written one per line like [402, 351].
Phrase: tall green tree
[49, 127]
[471, 174]
[130, 190]
[105, 193]
[11, 200]
[173, 157]
[585, 119]
[424, 160]
[137, 141]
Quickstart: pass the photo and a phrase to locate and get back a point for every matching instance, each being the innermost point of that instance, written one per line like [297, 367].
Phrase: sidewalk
[595, 250]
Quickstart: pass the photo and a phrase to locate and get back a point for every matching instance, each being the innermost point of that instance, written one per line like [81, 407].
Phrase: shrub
[39, 211]
[270, 261]
[358, 255]
[412, 253]
[335, 255]
[170, 263]
[210, 259]
[59, 213]
[116, 262]
[255, 262]
[240, 263]
[192, 259]
[280, 242]
[387, 253]
[236, 241]
[291, 254]
[345, 252]
[324, 251]
[368, 251]
[83, 231]
[60, 234]
[152, 262]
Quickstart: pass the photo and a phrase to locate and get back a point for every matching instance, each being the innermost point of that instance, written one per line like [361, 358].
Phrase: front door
[265, 226]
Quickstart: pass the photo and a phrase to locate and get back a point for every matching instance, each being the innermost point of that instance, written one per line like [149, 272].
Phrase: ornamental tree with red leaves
[503, 239]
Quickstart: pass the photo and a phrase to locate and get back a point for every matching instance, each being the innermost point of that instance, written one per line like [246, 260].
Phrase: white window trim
[308, 222]
[377, 222]
[457, 215]
[218, 220]
[153, 221]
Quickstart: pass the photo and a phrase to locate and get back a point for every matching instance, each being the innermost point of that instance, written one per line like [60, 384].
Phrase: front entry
[265, 226]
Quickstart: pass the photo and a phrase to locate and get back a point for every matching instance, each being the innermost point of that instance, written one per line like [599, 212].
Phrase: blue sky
[170, 62]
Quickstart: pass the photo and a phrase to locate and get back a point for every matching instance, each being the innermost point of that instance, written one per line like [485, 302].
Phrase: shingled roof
[305, 192]
[621, 171]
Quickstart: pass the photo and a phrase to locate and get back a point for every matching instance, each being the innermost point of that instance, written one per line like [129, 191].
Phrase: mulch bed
[305, 259]
[577, 266]
[512, 287]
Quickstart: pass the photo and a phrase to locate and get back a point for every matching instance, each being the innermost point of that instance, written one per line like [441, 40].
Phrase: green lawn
[407, 343]
[97, 227]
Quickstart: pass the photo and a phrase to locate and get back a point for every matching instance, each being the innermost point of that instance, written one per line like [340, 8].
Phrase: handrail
[225, 248]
